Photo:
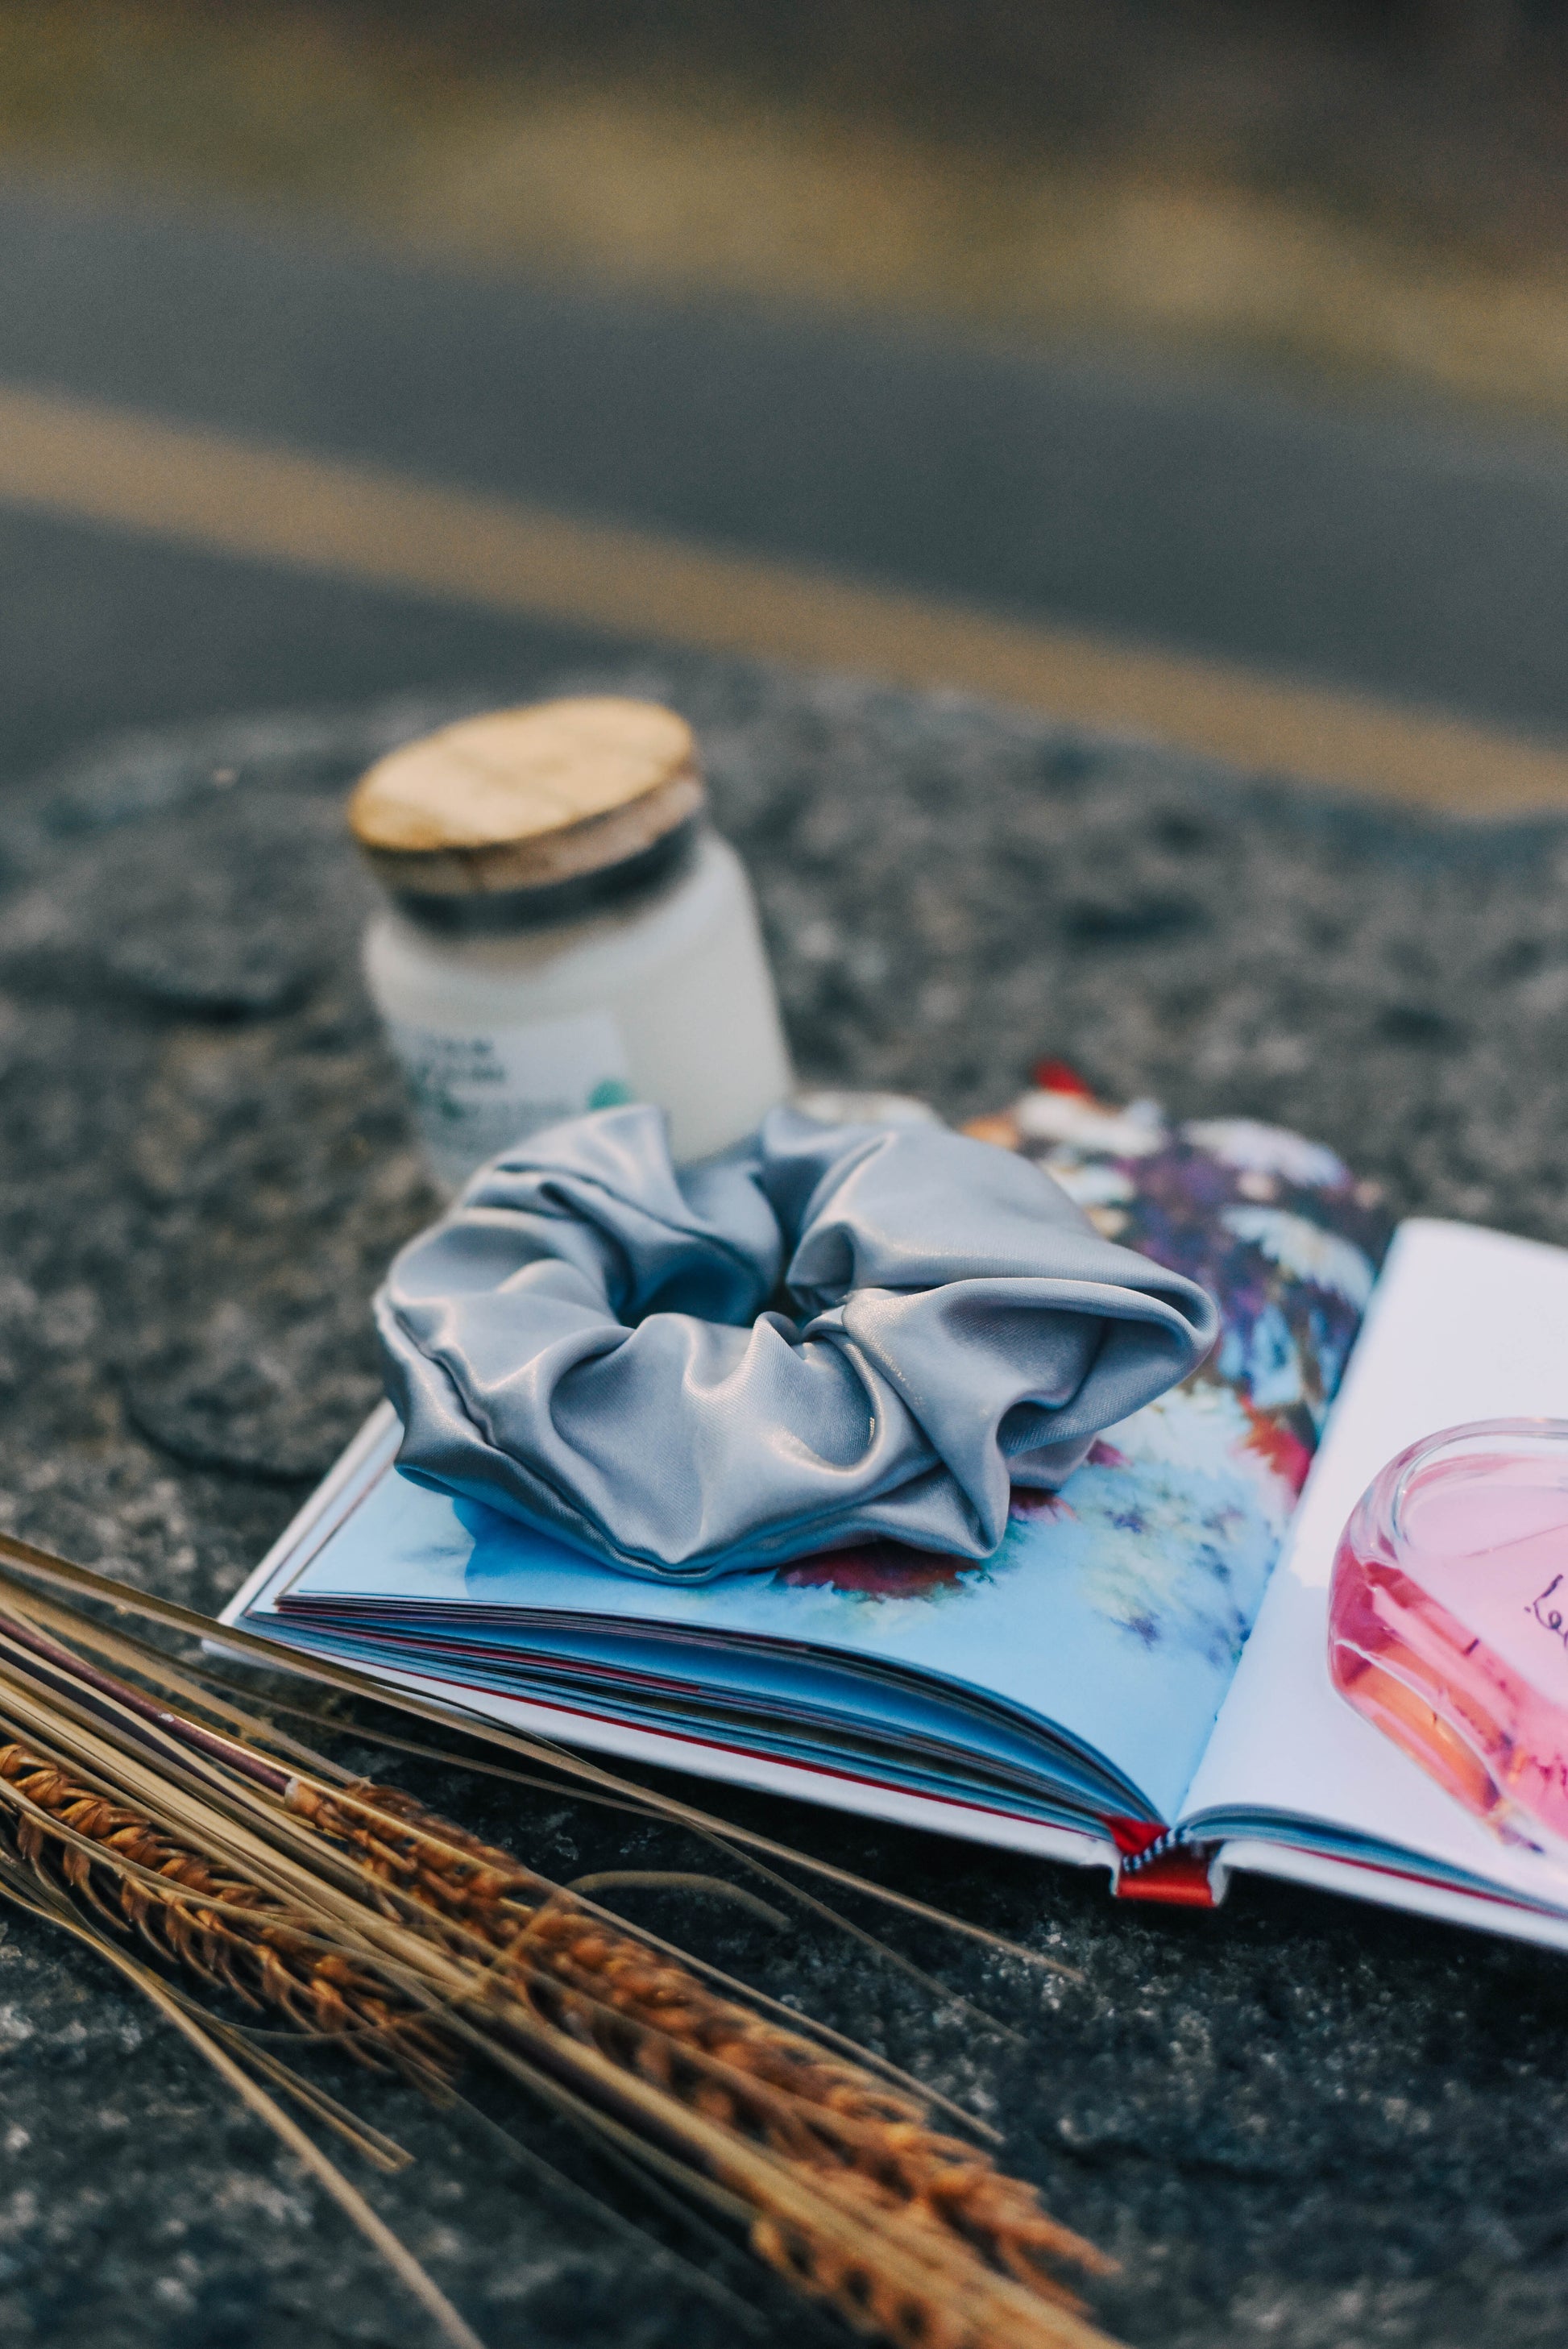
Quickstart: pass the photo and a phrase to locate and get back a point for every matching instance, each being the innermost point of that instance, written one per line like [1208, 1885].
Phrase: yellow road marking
[85, 463]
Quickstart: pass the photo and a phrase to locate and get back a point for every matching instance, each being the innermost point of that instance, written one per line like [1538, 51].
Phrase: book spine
[1181, 1875]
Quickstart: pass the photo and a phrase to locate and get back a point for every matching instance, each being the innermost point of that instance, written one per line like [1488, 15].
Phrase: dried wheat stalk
[356, 1913]
[595, 1978]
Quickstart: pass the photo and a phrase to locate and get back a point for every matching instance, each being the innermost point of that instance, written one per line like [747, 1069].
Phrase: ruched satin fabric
[829, 1334]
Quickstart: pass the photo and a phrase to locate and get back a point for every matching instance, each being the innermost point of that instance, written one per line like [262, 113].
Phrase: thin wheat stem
[278, 1656]
[381, 2237]
[147, 1663]
[372, 2144]
[677, 1880]
[80, 1676]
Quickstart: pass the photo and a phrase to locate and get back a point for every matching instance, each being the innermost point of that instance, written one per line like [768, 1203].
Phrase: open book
[1139, 1678]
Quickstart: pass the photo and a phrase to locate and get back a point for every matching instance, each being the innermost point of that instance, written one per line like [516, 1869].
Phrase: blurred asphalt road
[1416, 559]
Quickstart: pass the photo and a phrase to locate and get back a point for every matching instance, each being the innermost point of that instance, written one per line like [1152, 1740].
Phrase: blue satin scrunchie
[828, 1334]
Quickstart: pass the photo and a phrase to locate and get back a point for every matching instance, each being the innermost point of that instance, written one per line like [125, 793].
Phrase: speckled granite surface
[1300, 2124]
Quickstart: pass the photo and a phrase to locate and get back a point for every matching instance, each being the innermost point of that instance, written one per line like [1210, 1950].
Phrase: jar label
[474, 1095]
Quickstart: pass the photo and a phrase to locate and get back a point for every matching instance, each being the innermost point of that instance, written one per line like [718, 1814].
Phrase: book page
[1465, 1325]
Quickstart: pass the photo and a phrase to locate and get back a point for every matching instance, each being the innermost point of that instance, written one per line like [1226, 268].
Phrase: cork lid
[525, 799]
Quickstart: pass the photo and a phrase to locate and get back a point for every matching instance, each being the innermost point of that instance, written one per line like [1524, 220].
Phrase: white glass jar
[567, 931]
